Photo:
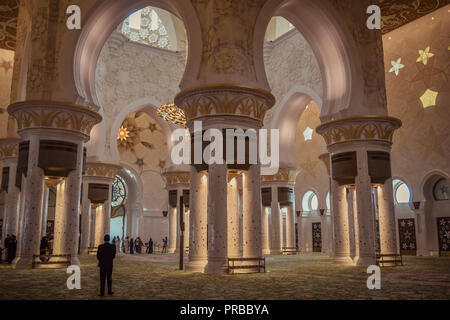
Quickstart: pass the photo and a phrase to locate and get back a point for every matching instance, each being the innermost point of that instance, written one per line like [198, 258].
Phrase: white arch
[428, 182]
[332, 45]
[288, 111]
[100, 23]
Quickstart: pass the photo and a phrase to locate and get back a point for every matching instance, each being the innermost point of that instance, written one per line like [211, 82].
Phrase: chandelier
[171, 113]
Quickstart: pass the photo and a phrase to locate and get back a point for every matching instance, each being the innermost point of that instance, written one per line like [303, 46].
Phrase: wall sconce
[298, 213]
[322, 211]
[165, 213]
[416, 205]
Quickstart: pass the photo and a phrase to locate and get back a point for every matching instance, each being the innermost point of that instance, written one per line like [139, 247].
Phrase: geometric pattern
[317, 236]
[444, 235]
[407, 236]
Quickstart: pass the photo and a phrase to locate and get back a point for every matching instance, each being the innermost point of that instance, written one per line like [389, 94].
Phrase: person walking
[131, 246]
[150, 246]
[105, 255]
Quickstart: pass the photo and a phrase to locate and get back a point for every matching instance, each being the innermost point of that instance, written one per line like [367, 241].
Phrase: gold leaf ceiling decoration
[9, 10]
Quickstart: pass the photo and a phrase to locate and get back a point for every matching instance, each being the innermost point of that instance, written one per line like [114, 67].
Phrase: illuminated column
[252, 212]
[85, 220]
[55, 133]
[360, 158]
[99, 224]
[341, 229]
[198, 223]
[386, 218]
[364, 218]
[172, 229]
[233, 217]
[44, 211]
[290, 226]
[31, 225]
[265, 230]
[276, 224]
[217, 219]
[186, 228]
[9, 149]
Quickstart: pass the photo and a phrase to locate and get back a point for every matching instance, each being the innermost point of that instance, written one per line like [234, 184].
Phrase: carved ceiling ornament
[284, 174]
[379, 128]
[101, 169]
[174, 178]
[9, 147]
[225, 99]
[54, 115]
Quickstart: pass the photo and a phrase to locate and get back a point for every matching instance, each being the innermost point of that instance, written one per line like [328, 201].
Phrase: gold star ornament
[429, 98]
[424, 55]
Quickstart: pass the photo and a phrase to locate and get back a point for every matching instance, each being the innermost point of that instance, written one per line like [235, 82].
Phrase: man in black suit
[105, 255]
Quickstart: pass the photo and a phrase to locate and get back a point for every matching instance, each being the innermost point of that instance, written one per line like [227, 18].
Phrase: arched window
[145, 26]
[402, 194]
[441, 190]
[310, 201]
[119, 192]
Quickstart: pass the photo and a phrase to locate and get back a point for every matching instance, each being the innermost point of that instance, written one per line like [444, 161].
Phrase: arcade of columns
[227, 92]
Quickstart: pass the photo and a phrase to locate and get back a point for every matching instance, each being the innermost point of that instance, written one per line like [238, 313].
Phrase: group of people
[132, 246]
[10, 245]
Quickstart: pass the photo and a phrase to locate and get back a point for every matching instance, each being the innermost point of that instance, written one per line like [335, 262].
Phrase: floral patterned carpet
[304, 276]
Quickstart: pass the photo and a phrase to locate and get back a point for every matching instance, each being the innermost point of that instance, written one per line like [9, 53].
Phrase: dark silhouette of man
[12, 247]
[105, 255]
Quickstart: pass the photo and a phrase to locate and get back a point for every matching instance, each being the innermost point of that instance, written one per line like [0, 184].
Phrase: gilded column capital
[61, 117]
[97, 169]
[284, 174]
[359, 128]
[177, 179]
[225, 99]
[9, 148]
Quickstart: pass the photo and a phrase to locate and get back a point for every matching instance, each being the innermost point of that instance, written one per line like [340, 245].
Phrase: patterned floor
[305, 276]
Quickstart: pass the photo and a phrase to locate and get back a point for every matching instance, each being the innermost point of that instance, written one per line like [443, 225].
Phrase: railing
[261, 264]
[394, 258]
[45, 260]
[289, 250]
[92, 250]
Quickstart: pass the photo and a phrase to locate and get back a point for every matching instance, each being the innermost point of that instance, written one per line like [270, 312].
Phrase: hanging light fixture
[171, 113]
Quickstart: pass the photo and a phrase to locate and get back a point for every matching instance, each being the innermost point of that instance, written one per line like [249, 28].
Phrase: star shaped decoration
[424, 55]
[6, 65]
[396, 66]
[140, 162]
[308, 133]
[123, 134]
[429, 98]
[162, 164]
[152, 127]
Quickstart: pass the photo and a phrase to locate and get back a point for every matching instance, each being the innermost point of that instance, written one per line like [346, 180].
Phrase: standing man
[12, 246]
[105, 255]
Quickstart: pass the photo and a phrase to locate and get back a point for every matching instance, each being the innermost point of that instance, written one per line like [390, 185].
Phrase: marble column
[276, 224]
[99, 225]
[172, 246]
[85, 220]
[265, 230]
[341, 241]
[198, 223]
[30, 236]
[233, 218]
[44, 210]
[12, 202]
[60, 218]
[217, 219]
[386, 218]
[186, 229]
[252, 212]
[290, 226]
[93, 218]
[364, 218]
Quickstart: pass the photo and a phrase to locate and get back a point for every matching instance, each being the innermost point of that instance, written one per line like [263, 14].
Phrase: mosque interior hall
[114, 120]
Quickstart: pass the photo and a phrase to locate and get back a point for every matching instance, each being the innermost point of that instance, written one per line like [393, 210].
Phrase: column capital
[9, 148]
[359, 128]
[177, 179]
[102, 170]
[285, 175]
[246, 102]
[59, 118]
